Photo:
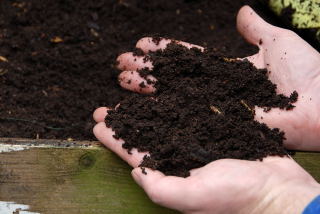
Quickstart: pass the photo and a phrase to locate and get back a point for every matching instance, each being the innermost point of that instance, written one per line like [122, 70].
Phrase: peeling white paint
[20, 147]
[11, 148]
[7, 207]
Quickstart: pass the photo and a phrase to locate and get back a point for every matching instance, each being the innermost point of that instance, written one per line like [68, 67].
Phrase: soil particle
[202, 110]
[156, 40]
[260, 42]
[142, 85]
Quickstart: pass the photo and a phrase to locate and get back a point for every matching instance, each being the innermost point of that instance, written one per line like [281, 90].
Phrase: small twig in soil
[56, 39]
[3, 59]
[246, 105]
[229, 59]
[215, 109]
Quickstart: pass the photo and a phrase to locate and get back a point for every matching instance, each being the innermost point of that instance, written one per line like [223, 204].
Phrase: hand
[293, 65]
[276, 185]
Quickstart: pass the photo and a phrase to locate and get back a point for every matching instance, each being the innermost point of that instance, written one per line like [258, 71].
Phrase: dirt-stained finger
[131, 80]
[148, 44]
[105, 136]
[128, 61]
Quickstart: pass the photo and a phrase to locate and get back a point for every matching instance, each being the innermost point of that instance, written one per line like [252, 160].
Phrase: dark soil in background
[61, 55]
[203, 110]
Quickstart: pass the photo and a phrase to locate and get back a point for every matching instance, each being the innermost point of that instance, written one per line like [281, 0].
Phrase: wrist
[292, 197]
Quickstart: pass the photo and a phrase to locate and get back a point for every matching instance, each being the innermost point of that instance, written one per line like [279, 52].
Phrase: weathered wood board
[78, 178]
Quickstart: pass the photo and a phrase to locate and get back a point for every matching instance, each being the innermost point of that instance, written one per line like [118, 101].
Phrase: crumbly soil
[61, 55]
[203, 110]
[57, 56]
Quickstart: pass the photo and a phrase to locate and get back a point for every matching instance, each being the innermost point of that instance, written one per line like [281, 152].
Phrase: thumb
[253, 28]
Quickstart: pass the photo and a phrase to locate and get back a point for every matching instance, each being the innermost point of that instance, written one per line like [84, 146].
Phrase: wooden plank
[80, 177]
[71, 181]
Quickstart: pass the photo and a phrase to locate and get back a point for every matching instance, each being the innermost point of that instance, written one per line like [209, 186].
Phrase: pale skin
[275, 185]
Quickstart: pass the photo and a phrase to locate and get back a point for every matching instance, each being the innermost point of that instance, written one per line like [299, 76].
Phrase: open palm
[238, 186]
[293, 65]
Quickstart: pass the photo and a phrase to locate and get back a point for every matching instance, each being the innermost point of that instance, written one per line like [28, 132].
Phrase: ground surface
[61, 55]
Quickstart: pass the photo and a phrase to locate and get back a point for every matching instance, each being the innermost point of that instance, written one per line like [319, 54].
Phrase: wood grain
[81, 177]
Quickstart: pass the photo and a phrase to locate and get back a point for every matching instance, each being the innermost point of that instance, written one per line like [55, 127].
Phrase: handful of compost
[202, 109]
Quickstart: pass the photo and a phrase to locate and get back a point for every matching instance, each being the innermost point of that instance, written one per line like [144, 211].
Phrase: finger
[148, 44]
[105, 136]
[131, 80]
[128, 61]
[100, 114]
[169, 191]
[253, 28]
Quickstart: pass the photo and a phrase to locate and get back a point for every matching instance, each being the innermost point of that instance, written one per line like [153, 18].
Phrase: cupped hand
[292, 63]
[275, 185]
